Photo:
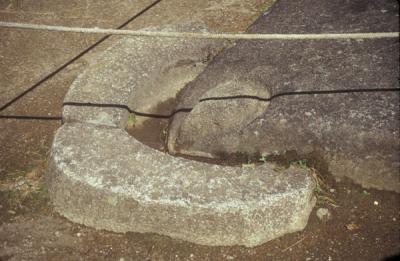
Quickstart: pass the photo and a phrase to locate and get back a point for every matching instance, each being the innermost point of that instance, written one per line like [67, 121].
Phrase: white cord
[322, 36]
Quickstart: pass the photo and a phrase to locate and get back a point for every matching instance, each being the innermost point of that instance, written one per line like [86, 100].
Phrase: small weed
[326, 200]
[366, 193]
[263, 158]
[131, 121]
[321, 189]
[318, 189]
[301, 163]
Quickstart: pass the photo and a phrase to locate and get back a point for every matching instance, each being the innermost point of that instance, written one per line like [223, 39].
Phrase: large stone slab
[102, 177]
[355, 133]
[137, 73]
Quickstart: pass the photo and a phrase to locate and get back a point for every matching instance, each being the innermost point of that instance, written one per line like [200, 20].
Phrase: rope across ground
[323, 36]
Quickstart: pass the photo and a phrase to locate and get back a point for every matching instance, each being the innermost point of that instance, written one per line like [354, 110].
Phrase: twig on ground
[296, 243]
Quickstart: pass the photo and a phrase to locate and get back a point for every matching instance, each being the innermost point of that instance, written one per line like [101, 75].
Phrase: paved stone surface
[40, 52]
[355, 134]
[102, 177]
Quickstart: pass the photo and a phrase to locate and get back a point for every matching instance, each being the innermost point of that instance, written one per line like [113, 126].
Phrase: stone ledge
[102, 177]
[137, 73]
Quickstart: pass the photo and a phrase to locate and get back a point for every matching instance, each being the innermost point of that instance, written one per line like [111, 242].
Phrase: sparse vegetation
[366, 193]
[321, 190]
[264, 158]
[24, 190]
[301, 163]
[131, 121]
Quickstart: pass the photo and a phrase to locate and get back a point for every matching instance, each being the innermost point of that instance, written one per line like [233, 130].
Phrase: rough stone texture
[356, 134]
[137, 73]
[222, 117]
[102, 177]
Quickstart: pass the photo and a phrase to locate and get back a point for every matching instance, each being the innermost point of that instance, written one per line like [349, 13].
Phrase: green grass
[263, 158]
[301, 163]
[131, 121]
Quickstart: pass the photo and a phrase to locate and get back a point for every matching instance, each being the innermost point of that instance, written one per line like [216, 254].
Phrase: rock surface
[355, 133]
[102, 177]
[136, 74]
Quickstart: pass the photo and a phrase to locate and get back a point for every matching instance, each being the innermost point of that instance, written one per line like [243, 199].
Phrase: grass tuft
[131, 121]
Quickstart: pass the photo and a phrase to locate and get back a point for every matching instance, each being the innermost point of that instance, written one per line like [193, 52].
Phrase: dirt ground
[363, 226]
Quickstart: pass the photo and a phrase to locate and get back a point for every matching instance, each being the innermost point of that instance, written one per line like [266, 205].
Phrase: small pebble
[332, 190]
[57, 233]
[78, 234]
[352, 226]
[376, 203]
[12, 212]
[19, 183]
[323, 214]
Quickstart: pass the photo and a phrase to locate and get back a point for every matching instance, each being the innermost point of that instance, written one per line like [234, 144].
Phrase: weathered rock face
[223, 117]
[357, 133]
[102, 177]
[129, 75]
